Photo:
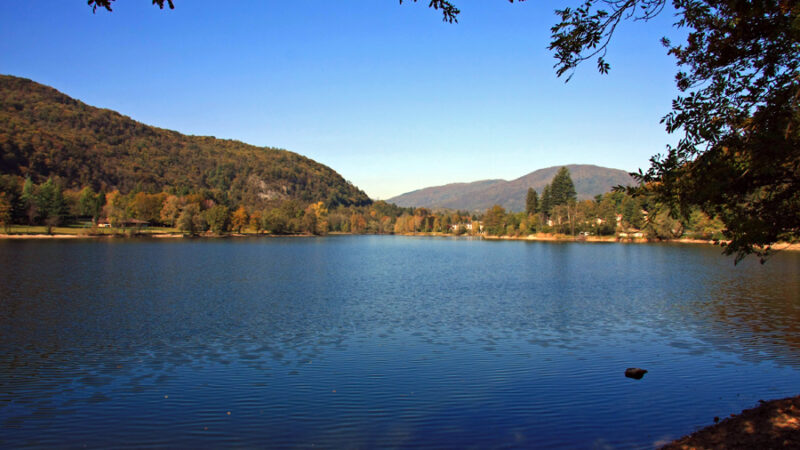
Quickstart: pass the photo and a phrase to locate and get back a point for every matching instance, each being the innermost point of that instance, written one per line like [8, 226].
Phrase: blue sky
[387, 95]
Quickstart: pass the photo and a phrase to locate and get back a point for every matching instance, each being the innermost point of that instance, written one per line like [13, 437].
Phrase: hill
[480, 195]
[44, 133]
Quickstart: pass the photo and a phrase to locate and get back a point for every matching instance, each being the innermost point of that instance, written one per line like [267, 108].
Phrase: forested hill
[44, 133]
[589, 181]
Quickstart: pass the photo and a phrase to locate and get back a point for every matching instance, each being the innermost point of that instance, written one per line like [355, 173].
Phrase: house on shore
[127, 223]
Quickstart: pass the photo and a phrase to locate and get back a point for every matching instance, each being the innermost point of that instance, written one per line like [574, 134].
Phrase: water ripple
[363, 342]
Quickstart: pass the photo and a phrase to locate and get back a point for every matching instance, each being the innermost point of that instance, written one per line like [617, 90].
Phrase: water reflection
[375, 340]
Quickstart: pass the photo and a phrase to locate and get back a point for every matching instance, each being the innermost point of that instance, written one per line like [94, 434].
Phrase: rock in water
[635, 373]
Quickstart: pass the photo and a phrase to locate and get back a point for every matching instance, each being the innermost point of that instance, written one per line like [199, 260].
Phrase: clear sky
[387, 95]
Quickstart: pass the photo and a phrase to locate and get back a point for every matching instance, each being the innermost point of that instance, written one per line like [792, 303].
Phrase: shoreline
[539, 237]
[771, 424]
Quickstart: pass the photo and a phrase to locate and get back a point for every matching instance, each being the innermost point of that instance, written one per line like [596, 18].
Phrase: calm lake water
[379, 341]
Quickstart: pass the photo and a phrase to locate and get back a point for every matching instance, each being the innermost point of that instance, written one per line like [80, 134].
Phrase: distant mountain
[480, 195]
[44, 133]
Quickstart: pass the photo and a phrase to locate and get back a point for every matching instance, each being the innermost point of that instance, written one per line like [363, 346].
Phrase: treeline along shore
[70, 169]
[30, 210]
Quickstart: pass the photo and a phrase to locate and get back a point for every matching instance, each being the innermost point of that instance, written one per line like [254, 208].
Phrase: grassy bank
[81, 231]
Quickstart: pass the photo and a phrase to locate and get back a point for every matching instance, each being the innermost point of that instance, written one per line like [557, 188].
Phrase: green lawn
[80, 229]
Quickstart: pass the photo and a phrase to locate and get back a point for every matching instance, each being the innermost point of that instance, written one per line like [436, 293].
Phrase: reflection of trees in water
[137, 318]
[753, 314]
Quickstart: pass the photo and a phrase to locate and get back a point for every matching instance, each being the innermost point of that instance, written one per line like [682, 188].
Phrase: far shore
[550, 237]
[545, 237]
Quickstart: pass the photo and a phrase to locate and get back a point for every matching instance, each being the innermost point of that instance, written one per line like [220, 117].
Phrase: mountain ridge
[589, 180]
[45, 133]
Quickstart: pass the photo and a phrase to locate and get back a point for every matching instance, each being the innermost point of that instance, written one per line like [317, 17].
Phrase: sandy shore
[779, 246]
[556, 237]
[773, 424]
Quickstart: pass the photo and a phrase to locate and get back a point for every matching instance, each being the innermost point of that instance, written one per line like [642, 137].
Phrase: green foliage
[218, 218]
[170, 210]
[738, 114]
[28, 200]
[559, 192]
[494, 220]
[44, 133]
[739, 157]
[49, 200]
[449, 11]
[5, 211]
[147, 207]
[606, 212]
[562, 190]
[12, 189]
[588, 181]
[664, 226]
[701, 226]
[547, 201]
[191, 220]
[531, 202]
[632, 213]
[309, 223]
[275, 221]
[90, 204]
[107, 4]
[116, 209]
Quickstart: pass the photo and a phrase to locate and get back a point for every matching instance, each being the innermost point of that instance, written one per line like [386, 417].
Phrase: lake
[385, 341]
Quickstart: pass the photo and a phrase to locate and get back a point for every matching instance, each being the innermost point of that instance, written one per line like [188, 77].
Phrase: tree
[547, 202]
[255, 222]
[664, 226]
[50, 201]
[358, 223]
[632, 212]
[107, 4]
[319, 223]
[132, 157]
[240, 219]
[170, 211]
[705, 227]
[739, 112]
[90, 204]
[275, 221]
[495, 220]
[12, 189]
[309, 222]
[5, 211]
[562, 189]
[28, 199]
[607, 215]
[531, 202]
[116, 209]
[147, 206]
[191, 220]
[218, 218]
[449, 11]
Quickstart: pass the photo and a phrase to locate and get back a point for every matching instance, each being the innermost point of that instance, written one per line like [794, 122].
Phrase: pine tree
[50, 201]
[532, 202]
[562, 189]
[547, 200]
[29, 201]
